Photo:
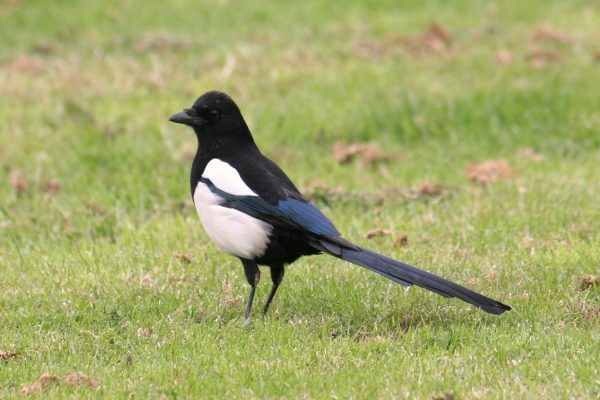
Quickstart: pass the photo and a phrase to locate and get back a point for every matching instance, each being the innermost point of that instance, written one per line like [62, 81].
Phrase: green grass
[89, 280]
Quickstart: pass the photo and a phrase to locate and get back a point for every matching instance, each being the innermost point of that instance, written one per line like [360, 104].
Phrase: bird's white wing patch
[232, 231]
[226, 178]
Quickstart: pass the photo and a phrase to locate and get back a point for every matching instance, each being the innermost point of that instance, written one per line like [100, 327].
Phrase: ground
[462, 137]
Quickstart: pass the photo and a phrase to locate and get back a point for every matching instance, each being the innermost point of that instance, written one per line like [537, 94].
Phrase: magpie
[251, 209]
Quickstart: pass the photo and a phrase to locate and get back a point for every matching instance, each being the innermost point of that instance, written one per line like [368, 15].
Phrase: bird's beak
[184, 118]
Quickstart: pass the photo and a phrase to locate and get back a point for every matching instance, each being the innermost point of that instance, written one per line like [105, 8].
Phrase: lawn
[481, 122]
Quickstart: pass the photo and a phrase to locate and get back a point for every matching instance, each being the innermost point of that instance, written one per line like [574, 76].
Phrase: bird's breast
[231, 230]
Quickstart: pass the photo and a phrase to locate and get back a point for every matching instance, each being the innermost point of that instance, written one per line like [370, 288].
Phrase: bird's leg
[253, 276]
[276, 276]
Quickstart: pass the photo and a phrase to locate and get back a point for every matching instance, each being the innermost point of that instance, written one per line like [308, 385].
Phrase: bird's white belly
[232, 231]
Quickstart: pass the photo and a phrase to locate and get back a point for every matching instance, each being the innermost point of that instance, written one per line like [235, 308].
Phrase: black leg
[253, 276]
[276, 276]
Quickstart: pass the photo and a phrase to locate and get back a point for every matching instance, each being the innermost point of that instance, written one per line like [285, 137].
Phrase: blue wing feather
[294, 213]
[306, 215]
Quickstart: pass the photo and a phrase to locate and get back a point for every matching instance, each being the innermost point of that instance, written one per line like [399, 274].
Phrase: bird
[252, 210]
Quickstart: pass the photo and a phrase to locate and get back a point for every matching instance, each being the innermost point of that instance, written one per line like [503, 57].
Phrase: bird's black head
[216, 119]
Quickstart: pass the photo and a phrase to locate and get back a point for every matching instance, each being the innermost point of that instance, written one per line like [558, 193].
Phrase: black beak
[185, 119]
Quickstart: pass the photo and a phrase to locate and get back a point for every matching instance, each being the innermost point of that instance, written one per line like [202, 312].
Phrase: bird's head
[215, 118]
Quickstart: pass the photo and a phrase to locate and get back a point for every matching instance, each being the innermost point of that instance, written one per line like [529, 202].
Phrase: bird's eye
[215, 114]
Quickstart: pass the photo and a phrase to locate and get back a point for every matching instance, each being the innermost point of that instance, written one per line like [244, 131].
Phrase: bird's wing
[287, 213]
[261, 175]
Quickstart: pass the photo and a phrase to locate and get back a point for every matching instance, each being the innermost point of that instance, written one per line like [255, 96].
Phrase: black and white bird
[252, 210]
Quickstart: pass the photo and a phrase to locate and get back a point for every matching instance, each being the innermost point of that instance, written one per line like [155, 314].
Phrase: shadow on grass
[361, 323]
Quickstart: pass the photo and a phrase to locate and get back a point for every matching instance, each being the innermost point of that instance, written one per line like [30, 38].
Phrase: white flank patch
[232, 231]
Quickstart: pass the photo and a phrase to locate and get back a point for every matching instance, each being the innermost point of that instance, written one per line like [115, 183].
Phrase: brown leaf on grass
[27, 65]
[81, 380]
[372, 48]
[530, 154]
[428, 189]
[458, 251]
[401, 240]
[7, 6]
[184, 257]
[435, 37]
[544, 244]
[473, 282]
[583, 227]
[45, 48]
[489, 171]
[52, 187]
[550, 35]
[424, 189]
[148, 281]
[96, 208]
[45, 380]
[545, 46]
[377, 232]
[226, 286]
[155, 41]
[368, 153]
[230, 301]
[9, 355]
[540, 58]
[588, 281]
[18, 181]
[503, 57]
[491, 276]
[445, 396]
[41, 383]
[180, 279]
[432, 40]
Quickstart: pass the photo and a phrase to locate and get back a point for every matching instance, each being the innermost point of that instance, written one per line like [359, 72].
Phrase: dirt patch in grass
[531, 245]
[579, 228]
[503, 57]
[18, 181]
[550, 35]
[377, 232]
[427, 189]
[41, 383]
[26, 65]
[434, 39]
[530, 154]
[546, 46]
[45, 380]
[228, 302]
[9, 355]
[489, 171]
[368, 153]
[80, 380]
[184, 257]
[401, 240]
[51, 187]
[445, 396]
[586, 282]
[161, 41]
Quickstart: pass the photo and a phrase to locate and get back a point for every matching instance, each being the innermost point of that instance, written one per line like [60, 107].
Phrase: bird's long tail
[408, 275]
